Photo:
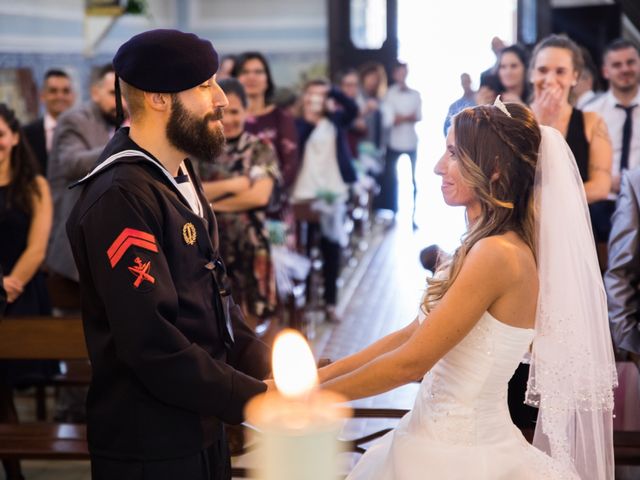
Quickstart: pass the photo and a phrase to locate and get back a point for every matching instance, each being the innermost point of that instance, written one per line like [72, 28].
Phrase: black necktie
[626, 135]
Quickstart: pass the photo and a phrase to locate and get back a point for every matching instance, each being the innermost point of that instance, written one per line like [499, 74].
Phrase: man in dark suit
[57, 96]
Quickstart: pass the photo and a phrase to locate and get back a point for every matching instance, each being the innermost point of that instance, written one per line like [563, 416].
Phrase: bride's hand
[271, 385]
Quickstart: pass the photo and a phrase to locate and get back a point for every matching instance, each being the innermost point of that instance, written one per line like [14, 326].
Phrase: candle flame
[294, 368]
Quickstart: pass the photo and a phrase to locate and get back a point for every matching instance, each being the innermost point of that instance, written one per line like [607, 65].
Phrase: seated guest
[25, 223]
[239, 184]
[57, 96]
[623, 271]
[326, 172]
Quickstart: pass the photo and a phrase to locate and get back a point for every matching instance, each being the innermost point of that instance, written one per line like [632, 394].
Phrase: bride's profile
[524, 281]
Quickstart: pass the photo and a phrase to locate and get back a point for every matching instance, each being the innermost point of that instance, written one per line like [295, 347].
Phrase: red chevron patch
[130, 237]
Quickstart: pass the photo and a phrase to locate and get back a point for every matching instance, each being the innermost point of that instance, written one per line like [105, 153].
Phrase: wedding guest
[512, 73]
[239, 184]
[326, 172]
[556, 64]
[57, 96]
[264, 118]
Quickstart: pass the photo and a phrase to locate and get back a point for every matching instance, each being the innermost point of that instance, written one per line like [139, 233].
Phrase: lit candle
[298, 425]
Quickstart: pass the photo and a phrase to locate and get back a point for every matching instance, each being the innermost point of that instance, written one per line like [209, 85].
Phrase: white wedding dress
[459, 427]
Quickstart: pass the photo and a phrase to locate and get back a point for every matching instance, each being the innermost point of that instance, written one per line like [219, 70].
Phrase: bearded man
[171, 357]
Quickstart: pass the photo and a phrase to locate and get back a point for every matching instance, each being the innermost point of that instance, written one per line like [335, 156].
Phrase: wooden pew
[39, 338]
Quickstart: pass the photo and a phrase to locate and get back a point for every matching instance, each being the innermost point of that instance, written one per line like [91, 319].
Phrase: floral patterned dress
[244, 240]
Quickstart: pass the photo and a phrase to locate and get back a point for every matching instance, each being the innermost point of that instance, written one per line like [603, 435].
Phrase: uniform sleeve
[72, 157]
[130, 272]
[621, 278]
[249, 354]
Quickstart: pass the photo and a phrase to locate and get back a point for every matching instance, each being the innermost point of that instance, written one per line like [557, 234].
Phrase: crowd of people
[313, 152]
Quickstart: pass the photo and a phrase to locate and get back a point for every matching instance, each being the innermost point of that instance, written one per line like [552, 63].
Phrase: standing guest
[80, 137]
[264, 118]
[25, 222]
[623, 271]
[619, 109]
[239, 184]
[373, 88]
[170, 354]
[497, 45]
[326, 172]
[227, 62]
[349, 83]
[587, 89]
[402, 109]
[468, 99]
[57, 96]
[512, 73]
[556, 64]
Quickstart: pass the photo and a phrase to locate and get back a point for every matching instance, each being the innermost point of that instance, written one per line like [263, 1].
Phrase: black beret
[165, 61]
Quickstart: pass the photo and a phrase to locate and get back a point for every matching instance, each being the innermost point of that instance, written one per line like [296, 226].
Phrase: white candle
[298, 425]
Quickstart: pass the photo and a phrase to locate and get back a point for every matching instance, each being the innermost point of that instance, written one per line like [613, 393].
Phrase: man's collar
[49, 122]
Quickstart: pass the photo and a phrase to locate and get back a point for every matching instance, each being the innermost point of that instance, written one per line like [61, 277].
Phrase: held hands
[13, 287]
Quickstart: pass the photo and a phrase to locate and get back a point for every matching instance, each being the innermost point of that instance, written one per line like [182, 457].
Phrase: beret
[165, 61]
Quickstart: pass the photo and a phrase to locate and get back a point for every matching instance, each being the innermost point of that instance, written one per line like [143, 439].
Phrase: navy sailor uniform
[171, 356]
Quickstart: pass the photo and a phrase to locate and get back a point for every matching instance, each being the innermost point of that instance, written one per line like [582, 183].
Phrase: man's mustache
[216, 115]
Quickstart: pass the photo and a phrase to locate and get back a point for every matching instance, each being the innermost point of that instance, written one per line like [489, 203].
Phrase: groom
[171, 357]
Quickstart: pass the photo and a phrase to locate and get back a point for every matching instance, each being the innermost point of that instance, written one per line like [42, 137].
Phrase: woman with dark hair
[525, 277]
[512, 72]
[25, 222]
[239, 184]
[265, 119]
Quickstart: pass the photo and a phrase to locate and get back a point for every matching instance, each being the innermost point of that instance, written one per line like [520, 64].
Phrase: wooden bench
[38, 338]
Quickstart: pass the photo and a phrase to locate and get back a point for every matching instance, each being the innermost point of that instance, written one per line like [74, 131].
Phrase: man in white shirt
[619, 107]
[57, 95]
[402, 109]
[621, 67]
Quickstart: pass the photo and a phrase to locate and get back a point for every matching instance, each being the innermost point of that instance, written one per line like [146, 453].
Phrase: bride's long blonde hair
[497, 156]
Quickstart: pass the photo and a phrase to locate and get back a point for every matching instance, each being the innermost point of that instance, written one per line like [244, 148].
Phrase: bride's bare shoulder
[505, 255]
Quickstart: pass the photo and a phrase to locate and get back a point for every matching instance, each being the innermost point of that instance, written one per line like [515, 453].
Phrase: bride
[524, 281]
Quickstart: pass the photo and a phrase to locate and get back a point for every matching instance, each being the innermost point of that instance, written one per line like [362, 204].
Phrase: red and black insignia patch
[130, 237]
[141, 270]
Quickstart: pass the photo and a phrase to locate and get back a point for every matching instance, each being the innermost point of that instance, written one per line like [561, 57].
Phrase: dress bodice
[465, 394]
[459, 426]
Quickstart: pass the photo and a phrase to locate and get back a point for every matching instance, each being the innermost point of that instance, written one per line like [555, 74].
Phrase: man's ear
[159, 102]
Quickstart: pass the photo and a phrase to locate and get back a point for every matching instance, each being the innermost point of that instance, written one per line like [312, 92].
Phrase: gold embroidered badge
[189, 233]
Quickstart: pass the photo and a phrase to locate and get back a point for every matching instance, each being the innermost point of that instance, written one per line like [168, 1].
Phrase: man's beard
[193, 135]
